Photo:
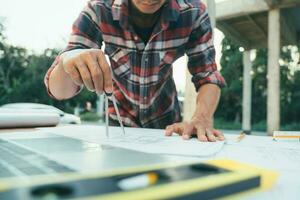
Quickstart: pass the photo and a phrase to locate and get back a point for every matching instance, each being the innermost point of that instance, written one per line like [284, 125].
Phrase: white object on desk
[143, 140]
[293, 136]
[27, 118]
[155, 141]
[261, 151]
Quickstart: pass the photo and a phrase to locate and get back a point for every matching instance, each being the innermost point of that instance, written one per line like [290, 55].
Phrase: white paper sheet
[144, 140]
[263, 151]
[154, 141]
[283, 157]
[261, 141]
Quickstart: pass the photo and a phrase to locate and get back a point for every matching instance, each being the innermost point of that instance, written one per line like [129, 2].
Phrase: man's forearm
[207, 101]
[61, 85]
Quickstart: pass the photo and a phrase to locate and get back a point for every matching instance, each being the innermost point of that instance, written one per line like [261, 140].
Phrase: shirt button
[136, 38]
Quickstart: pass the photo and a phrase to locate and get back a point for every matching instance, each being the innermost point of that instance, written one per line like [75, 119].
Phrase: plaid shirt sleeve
[85, 34]
[201, 52]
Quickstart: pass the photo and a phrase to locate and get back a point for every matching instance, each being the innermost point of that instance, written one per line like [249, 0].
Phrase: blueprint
[155, 141]
[144, 140]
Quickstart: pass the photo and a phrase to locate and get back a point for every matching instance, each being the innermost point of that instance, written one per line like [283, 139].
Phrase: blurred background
[33, 32]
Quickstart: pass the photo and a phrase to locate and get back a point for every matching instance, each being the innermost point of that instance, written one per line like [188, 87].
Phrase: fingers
[187, 131]
[219, 135]
[174, 128]
[184, 129]
[89, 67]
[201, 134]
[96, 73]
[75, 75]
[85, 75]
[210, 136]
[105, 69]
[169, 130]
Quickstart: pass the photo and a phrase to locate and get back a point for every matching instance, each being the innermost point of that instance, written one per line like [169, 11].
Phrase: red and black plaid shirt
[142, 73]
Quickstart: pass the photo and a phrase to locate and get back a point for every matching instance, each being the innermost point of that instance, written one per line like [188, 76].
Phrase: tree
[13, 63]
[22, 77]
[259, 87]
[38, 65]
[230, 108]
[290, 89]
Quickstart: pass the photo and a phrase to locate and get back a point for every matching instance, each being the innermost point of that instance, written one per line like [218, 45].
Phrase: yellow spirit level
[209, 180]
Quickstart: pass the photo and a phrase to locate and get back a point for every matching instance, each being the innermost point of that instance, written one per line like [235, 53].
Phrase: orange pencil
[286, 135]
[241, 136]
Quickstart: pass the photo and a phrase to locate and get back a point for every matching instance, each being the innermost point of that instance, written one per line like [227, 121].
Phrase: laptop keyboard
[18, 161]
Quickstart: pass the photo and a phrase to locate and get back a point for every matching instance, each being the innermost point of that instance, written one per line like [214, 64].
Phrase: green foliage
[290, 88]
[230, 108]
[259, 126]
[1, 30]
[227, 125]
[13, 63]
[291, 126]
[290, 108]
[259, 87]
[90, 116]
[22, 77]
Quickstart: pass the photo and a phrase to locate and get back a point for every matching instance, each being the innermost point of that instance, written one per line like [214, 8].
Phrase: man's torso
[143, 80]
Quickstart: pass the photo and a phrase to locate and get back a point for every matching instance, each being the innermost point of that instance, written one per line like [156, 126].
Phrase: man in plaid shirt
[142, 39]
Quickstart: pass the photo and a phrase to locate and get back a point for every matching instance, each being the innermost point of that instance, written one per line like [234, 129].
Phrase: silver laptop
[28, 154]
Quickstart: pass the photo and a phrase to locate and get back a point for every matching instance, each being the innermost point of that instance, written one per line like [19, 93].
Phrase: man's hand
[201, 123]
[88, 67]
[199, 126]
